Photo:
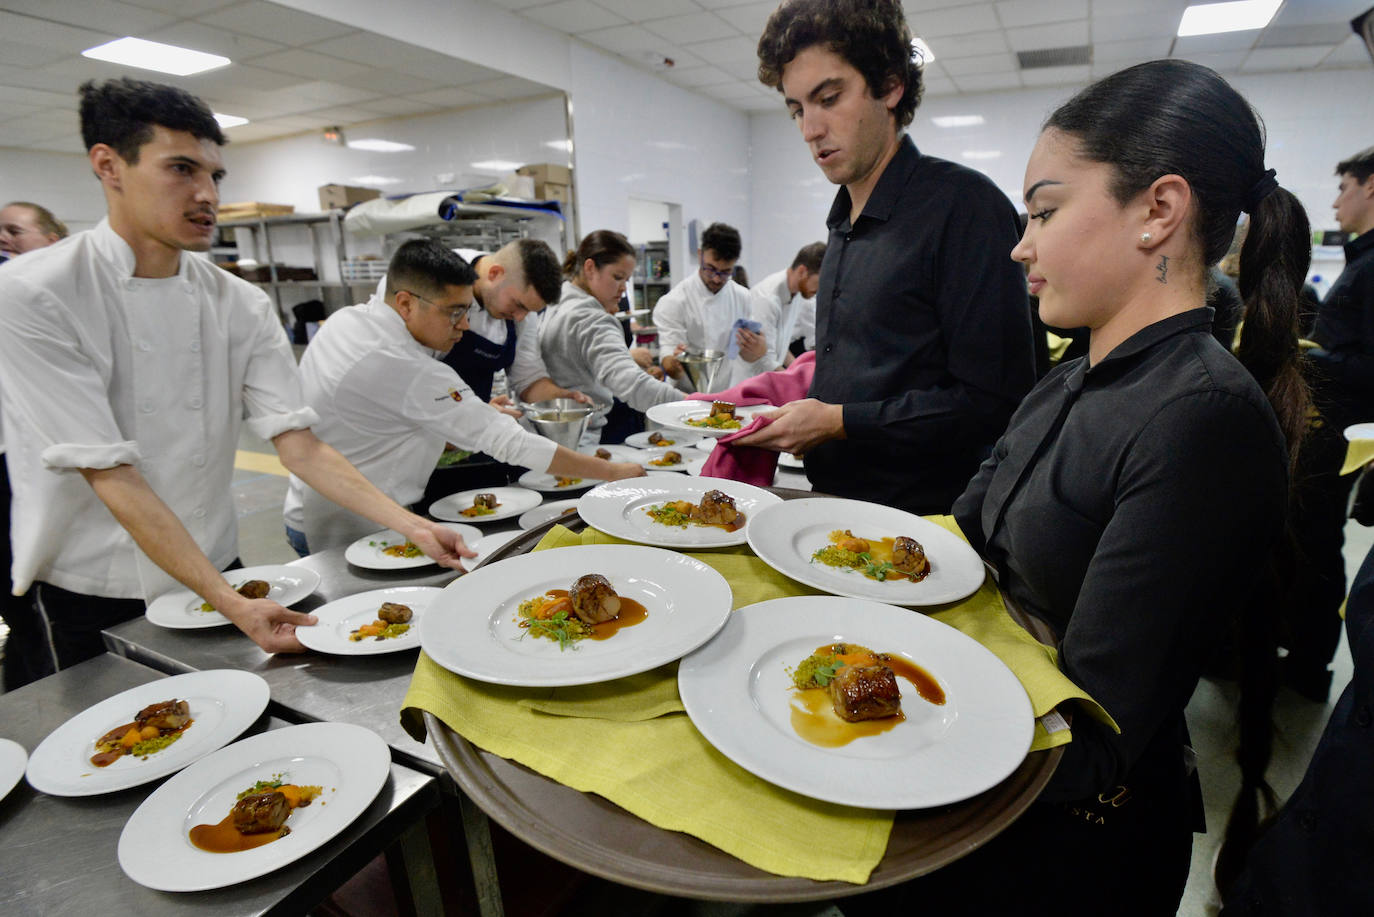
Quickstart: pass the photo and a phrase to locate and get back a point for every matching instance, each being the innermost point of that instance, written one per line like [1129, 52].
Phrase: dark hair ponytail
[603, 247]
[1175, 117]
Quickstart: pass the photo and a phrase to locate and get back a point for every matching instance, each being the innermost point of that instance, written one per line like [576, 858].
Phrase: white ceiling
[291, 72]
[295, 72]
[712, 43]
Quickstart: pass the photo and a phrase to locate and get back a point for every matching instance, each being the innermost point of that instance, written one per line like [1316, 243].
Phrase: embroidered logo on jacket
[452, 393]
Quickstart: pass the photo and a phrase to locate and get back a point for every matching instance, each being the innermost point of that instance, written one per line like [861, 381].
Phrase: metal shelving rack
[335, 243]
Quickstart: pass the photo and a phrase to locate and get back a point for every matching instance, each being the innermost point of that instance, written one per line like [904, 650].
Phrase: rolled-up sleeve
[53, 392]
[272, 399]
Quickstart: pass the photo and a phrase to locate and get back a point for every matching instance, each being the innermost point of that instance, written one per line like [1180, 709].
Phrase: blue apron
[477, 359]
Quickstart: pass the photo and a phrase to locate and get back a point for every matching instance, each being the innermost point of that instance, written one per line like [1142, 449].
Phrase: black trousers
[1312, 623]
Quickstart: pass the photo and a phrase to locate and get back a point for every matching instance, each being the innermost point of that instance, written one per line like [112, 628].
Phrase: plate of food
[612, 452]
[389, 549]
[573, 616]
[546, 511]
[490, 504]
[556, 483]
[253, 807]
[704, 418]
[285, 584]
[665, 439]
[866, 551]
[369, 623]
[676, 512]
[13, 758]
[857, 703]
[672, 459]
[146, 732]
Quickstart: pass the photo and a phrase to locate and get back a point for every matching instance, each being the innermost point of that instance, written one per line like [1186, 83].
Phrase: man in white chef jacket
[781, 302]
[128, 367]
[700, 313]
[388, 406]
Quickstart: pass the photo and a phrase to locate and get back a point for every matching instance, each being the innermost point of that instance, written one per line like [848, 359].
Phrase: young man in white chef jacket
[700, 313]
[781, 302]
[128, 368]
[388, 406]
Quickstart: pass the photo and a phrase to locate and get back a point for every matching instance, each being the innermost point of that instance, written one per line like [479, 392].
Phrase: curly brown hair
[871, 35]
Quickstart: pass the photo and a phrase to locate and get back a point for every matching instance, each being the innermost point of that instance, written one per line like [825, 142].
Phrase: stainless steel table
[59, 854]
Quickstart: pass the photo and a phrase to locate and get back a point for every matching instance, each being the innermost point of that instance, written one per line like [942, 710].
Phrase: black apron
[477, 359]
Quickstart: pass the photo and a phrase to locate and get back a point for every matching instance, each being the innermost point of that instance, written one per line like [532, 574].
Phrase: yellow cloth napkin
[628, 741]
[1358, 453]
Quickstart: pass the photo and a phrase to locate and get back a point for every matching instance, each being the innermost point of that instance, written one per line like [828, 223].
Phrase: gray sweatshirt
[583, 347]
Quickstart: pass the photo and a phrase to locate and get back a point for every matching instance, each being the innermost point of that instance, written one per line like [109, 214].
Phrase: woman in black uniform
[1137, 500]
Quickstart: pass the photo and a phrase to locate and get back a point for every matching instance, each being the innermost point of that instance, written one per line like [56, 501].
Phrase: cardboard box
[332, 196]
[546, 173]
[552, 192]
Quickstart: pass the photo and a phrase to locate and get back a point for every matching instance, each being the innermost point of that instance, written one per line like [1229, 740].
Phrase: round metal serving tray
[600, 838]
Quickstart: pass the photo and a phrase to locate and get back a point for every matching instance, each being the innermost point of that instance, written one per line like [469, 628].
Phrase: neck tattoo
[1163, 268]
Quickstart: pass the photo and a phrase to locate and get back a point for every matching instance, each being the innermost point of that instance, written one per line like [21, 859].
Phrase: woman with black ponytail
[1137, 500]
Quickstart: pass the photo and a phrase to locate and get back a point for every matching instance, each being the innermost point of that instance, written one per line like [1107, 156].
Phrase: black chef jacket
[1131, 505]
[1344, 366]
[923, 333]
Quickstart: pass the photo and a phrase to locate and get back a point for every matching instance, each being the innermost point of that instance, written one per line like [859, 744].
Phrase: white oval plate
[548, 484]
[543, 513]
[490, 545]
[738, 692]
[339, 618]
[1359, 431]
[351, 764]
[12, 761]
[512, 502]
[180, 609]
[692, 461]
[471, 629]
[679, 440]
[367, 551]
[223, 703]
[675, 414]
[785, 536]
[619, 508]
[618, 453]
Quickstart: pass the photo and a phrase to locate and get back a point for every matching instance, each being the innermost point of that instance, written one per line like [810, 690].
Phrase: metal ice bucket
[562, 420]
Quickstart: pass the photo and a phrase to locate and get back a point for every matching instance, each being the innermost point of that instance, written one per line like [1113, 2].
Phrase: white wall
[1313, 120]
[62, 182]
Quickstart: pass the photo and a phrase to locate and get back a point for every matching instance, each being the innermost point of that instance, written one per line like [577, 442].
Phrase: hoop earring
[1145, 238]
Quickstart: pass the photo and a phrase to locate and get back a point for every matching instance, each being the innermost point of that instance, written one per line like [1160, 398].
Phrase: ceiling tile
[363, 87]
[978, 17]
[1014, 14]
[182, 7]
[1213, 44]
[1270, 59]
[1131, 28]
[1330, 33]
[396, 106]
[940, 88]
[276, 23]
[131, 20]
[71, 144]
[623, 39]
[573, 16]
[1350, 53]
[361, 46]
[1305, 12]
[985, 82]
[385, 83]
[342, 114]
[984, 63]
[698, 76]
[510, 87]
[1143, 8]
[744, 70]
[969, 45]
[1075, 75]
[640, 10]
[447, 98]
[1221, 61]
[730, 91]
[202, 37]
[691, 28]
[750, 18]
[14, 109]
[55, 35]
[721, 4]
[301, 62]
[1058, 35]
[1131, 51]
[445, 70]
[19, 54]
[517, 4]
[726, 50]
[243, 80]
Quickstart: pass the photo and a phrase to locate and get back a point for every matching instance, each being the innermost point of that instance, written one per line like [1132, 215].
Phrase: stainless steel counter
[59, 854]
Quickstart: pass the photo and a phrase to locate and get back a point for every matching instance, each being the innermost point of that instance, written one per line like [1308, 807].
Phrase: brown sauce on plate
[225, 838]
[815, 720]
[631, 613]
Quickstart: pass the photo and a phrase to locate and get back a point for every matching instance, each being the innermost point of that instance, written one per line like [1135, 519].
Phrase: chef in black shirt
[923, 332]
[1137, 500]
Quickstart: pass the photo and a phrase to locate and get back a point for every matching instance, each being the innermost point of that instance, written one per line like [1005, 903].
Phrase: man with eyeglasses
[25, 227]
[389, 406]
[700, 313]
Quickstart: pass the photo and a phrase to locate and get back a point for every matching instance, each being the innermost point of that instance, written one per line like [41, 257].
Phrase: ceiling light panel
[154, 55]
[1237, 16]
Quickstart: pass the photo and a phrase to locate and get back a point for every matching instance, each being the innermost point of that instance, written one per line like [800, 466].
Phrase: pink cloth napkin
[750, 464]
